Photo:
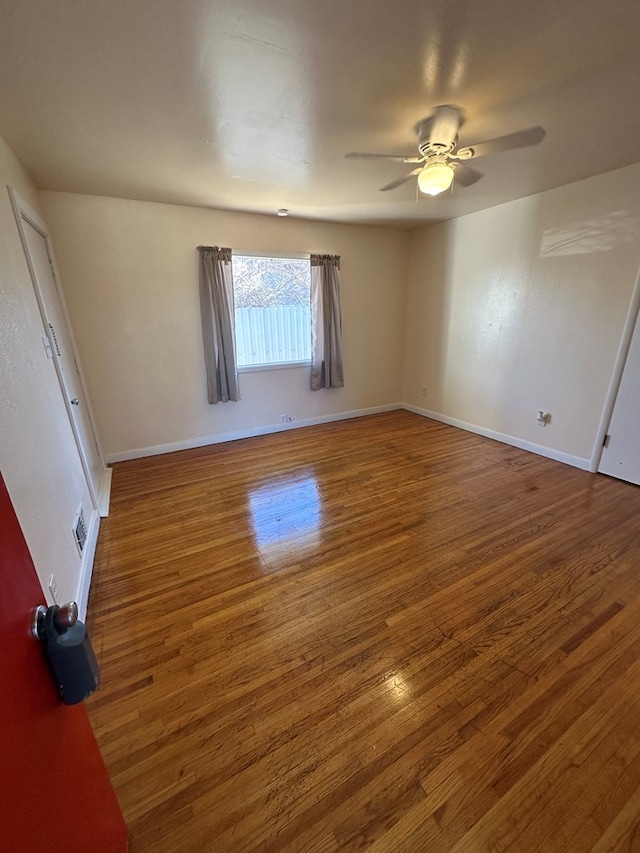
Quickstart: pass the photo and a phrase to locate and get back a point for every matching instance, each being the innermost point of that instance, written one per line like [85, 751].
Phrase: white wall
[38, 455]
[130, 273]
[508, 311]
[521, 307]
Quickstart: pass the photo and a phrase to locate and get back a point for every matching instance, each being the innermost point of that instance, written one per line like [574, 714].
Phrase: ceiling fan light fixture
[435, 178]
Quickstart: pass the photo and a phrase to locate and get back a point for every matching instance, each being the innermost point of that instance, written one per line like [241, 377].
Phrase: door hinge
[47, 346]
[606, 441]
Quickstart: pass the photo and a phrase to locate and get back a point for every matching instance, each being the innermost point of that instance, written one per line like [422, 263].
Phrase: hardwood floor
[381, 634]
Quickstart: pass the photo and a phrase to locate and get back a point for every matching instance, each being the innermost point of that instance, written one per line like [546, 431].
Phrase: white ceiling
[252, 105]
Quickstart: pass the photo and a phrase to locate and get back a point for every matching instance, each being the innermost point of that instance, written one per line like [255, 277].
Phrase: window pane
[273, 311]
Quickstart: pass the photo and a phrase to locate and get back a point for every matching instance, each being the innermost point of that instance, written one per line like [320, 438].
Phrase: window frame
[292, 256]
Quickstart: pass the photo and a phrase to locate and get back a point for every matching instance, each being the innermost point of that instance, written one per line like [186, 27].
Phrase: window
[272, 310]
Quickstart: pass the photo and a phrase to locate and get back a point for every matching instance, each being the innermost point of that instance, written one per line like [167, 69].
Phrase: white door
[621, 454]
[60, 343]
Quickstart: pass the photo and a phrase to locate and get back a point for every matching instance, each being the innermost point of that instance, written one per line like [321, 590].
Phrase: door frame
[633, 316]
[23, 211]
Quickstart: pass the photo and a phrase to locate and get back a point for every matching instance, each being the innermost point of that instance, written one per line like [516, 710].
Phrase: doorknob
[68, 650]
[63, 617]
[75, 401]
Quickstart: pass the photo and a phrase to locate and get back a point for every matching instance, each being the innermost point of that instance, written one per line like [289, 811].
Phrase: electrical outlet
[283, 419]
[53, 588]
[543, 419]
[286, 418]
[425, 390]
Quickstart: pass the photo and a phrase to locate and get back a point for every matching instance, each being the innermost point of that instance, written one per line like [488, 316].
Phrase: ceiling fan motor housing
[428, 148]
[438, 134]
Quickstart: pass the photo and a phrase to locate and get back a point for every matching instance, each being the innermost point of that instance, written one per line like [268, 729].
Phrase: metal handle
[75, 401]
[64, 617]
[67, 616]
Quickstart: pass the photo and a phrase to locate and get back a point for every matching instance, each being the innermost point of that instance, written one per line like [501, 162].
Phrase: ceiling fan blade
[361, 155]
[465, 176]
[401, 180]
[519, 139]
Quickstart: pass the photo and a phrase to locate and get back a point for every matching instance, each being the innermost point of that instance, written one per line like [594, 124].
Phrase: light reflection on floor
[286, 515]
[397, 687]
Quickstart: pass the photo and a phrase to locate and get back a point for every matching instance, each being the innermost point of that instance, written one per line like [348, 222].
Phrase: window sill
[256, 368]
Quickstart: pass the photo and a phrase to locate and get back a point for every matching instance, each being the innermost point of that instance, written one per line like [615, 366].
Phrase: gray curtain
[326, 323]
[218, 331]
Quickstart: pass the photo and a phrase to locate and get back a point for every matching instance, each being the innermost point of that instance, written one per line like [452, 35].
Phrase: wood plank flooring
[382, 634]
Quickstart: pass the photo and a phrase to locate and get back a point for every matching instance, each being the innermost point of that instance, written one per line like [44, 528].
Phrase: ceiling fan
[439, 158]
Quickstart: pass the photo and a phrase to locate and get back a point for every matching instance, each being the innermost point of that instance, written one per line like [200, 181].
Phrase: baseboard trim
[203, 441]
[549, 452]
[86, 568]
[104, 492]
